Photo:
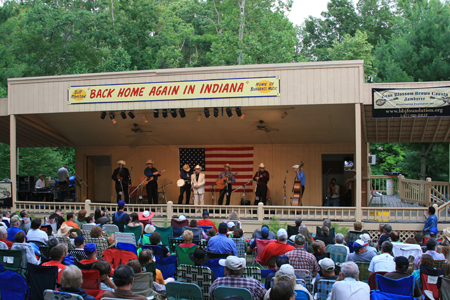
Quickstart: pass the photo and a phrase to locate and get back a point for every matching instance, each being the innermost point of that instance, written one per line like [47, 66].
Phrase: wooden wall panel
[277, 158]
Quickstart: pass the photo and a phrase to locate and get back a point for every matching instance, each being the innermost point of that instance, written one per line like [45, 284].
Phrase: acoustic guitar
[297, 189]
[146, 180]
[222, 182]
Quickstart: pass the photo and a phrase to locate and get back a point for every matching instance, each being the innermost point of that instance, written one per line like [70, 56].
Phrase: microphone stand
[138, 187]
[212, 195]
[243, 186]
[284, 187]
[325, 187]
[79, 185]
[164, 191]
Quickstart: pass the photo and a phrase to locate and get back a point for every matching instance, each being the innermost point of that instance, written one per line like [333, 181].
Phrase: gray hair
[2, 231]
[350, 269]
[325, 230]
[71, 277]
[326, 222]
[339, 238]
[233, 216]
[298, 221]
[304, 230]
[5, 213]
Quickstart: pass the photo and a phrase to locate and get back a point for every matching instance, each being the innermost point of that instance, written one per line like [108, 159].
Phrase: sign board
[5, 194]
[411, 102]
[175, 90]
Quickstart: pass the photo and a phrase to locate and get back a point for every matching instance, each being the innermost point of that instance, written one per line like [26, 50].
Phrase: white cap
[364, 237]
[233, 262]
[282, 233]
[181, 218]
[296, 166]
[327, 264]
[231, 224]
[286, 270]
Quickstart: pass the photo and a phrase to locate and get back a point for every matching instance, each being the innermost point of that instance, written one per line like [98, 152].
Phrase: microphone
[287, 171]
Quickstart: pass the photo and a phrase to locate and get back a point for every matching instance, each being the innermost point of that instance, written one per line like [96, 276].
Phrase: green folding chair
[137, 230]
[363, 270]
[183, 254]
[183, 291]
[145, 239]
[77, 231]
[222, 292]
[12, 260]
[166, 233]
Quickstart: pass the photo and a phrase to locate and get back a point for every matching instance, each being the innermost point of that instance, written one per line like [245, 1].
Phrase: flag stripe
[230, 149]
[246, 162]
[234, 170]
[227, 155]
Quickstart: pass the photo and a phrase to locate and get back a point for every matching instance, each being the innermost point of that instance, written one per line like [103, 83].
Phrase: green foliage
[389, 155]
[275, 225]
[339, 229]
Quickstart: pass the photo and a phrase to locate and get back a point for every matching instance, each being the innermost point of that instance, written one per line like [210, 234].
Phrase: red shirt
[187, 245]
[207, 223]
[57, 264]
[275, 249]
[8, 243]
[88, 261]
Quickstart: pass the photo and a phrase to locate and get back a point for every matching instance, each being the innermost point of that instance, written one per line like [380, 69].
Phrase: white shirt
[336, 189]
[383, 262]
[40, 184]
[350, 289]
[37, 235]
[63, 174]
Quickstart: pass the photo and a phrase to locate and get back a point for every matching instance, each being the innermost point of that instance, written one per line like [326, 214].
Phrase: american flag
[212, 160]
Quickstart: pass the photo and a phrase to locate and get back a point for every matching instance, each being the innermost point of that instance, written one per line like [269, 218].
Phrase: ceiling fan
[136, 129]
[263, 127]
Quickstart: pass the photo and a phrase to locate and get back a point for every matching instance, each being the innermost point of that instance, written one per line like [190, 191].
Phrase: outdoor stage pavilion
[319, 113]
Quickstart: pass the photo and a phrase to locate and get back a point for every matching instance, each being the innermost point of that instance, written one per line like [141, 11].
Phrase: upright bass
[297, 189]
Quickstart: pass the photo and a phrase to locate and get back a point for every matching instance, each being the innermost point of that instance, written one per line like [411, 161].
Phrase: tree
[389, 156]
[378, 19]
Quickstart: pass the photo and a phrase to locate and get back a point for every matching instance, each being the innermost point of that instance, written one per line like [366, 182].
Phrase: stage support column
[13, 161]
[358, 161]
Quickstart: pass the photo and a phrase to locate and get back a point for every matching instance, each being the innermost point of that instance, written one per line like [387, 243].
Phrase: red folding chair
[91, 283]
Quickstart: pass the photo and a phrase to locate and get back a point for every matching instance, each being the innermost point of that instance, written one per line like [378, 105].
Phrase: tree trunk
[241, 30]
[423, 160]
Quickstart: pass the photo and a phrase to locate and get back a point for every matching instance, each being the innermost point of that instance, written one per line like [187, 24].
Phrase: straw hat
[198, 167]
[296, 166]
[227, 165]
[121, 162]
[149, 162]
[64, 230]
[186, 168]
[261, 165]
[146, 215]
[446, 233]
[40, 175]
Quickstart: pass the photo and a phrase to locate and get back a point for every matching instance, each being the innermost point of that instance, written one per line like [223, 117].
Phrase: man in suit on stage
[121, 176]
[198, 181]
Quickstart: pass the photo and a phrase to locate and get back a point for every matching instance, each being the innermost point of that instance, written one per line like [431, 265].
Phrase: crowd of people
[287, 251]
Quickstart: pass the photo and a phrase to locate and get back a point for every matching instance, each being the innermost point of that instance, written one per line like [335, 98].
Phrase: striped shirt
[253, 285]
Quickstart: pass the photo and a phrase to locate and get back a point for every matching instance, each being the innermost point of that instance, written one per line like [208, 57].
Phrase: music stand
[213, 200]
[243, 186]
[164, 191]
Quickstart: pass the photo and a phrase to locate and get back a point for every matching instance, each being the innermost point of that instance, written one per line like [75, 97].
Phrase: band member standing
[227, 189]
[64, 180]
[262, 178]
[198, 181]
[152, 186]
[300, 177]
[121, 176]
[333, 190]
[186, 175]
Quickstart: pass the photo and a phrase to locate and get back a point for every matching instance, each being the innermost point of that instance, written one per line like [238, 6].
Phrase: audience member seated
[79, 243]
[239, 234]
[64, 231]
[90, 219]
[15, 224]
[145, 258]
[188, 236]
[431, 250]
[401, 271]
[234, 268]
[81, 218]
[220, 244]
[411, 241]
[123, 278]
[347, 286]
[395, 237]
[105, 269]
[71, 281]
[308, 237]
[102, 217]
[90, 249]
[325, 237]
[385, 261]
[327, 267]
[293, 230]
[25, 221]
[57, 255]
[200, 258]
[231, 227]
[4, 235]
[20, 244]
[35, 233]
[137, 268]
[134, 222]
[426, 260]
[320, 250]
[193, 226]
[6, 218]
[146, 216]
[71, 221]
[385, 230]
[58, 215]
[120, 216]
[419, 239]
[276, 248]
[233, 217]
[287, 273]
[211, 233]
[300, 259]
[354, 234]
[264, 234]
[339, 241]
[361, 253]
[155, 239]
[281, 260]
[365, 237]
[283, 290]
[206, 221]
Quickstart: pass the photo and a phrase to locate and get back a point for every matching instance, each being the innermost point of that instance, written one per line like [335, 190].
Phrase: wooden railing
[422, 192]
[393, 214]
[379, 183]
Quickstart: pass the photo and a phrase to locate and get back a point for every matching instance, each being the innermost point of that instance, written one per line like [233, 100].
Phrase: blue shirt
[221, 244]
[301, 177]
[186, 175]
[12, 232]
[432, 221]
[149, 173]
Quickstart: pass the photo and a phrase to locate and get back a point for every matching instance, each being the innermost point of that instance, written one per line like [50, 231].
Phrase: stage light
[242, 117]
[182, 114]
[145, 119]
[173, 112]
[216, 112]
[207, 115]
[156, 113]
[112, 116]
[283, 115]
[238, 112]
[229, 112]
[164, 113]
[199, 117]
[123, 115]
[103, 115]
[131, 115]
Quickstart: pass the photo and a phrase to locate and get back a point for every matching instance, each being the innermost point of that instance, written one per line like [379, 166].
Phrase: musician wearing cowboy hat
[40, 183]
[226, 173]
[121, 177]
[186, 175]
[152, 186]
[300, 176]
[262, 178]
[198, 181]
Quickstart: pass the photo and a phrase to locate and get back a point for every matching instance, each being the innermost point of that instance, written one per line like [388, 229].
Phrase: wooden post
[87, 206]
[358, 161]
[13, 161]
[401, 187]
[260, 211]
[169, 210]
[428, 191]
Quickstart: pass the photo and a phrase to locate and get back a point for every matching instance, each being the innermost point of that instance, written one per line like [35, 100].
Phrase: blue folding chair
[167, 265]
[127, 246]
[177, 231]
[157, 250]
[13, 286]
[324, 287]
[402, 286]
[215, 267]
[301, 295]
[377, 295]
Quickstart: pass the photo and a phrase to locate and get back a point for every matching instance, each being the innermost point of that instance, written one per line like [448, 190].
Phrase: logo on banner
[79, 95]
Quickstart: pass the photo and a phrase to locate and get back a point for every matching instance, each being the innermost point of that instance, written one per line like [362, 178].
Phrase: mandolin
[297, 189]
[222, 182]
[146, 180]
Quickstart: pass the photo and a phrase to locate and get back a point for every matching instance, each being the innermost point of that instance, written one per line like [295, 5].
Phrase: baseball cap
[358, 244]
[90, 248]
[387, 227]
[364, 237]
[121, 203]
[223, 227]
[401, 262]
[300, 239]
[282, 233]
[231, 224]
[286, 270]
[327, 264]
[434, 231]
[233, 262]
[205, 213]
[264, 232]
[79, 240]
[281, 260]
[181, 218]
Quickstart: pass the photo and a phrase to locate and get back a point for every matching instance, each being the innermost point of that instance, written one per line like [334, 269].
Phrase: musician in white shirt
[40, 183]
